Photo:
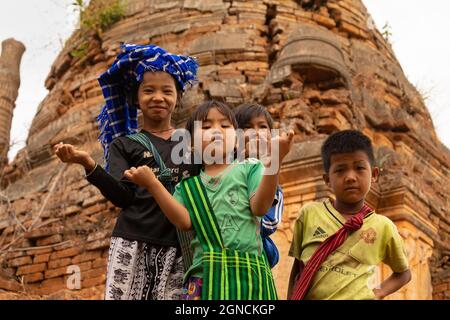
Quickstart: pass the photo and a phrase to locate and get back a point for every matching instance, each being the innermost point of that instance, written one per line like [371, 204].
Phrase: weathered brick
[33, 277]
[93, 281]
[441, 288]
[325, 21]
[39, 251]
[93, 293]
[439, 296]
[43, 232]
[16, 254]
[94, 209]
[17, 262]
[353, 30]
[93, 273]
[41, 258]
[71, 210]
[52, 285]
[54, 264]
[98, 236]
[63, 246]
[86, 256]
[33, 268]
[64, 295]
[98, 244]
[85, 266]
[7, 272]
[70, 252]
[56, 238]
[53, 273]
[93, 200]
[100, 262]
[9, 285]
[105, 254]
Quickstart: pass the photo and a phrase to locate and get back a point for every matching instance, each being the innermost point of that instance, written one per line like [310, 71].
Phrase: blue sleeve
[272, 218]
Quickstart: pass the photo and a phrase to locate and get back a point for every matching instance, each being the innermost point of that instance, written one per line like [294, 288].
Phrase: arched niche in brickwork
[315, 53]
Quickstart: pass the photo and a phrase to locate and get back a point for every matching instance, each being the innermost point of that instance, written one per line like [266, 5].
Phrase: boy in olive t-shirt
[346, 272]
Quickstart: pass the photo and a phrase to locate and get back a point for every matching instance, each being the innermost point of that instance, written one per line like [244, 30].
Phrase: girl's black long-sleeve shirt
[140, 218]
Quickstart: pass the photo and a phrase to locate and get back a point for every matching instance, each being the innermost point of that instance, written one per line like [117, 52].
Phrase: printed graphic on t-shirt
[174, 172]
[340, 262]
[229, 223]
[320, 233]
[232, 196]
[369, 236]
[147, 154]
[186, 174]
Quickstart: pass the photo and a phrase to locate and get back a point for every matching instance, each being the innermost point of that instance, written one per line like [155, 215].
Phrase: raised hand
[285, 142]
[69, 154]
[257, 144]
[142, 176]
[278, 149]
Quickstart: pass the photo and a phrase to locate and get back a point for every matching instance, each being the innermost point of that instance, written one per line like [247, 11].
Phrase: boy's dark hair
[244, 113]
[202, 110]
[346, 141]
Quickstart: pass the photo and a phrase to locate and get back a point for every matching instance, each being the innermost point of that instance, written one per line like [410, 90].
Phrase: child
[342, 241]
[144, 257]
[223, 205]
[254, 116]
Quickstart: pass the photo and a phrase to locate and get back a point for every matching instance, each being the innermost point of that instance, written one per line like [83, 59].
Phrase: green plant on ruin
[80, 51]
[386, 32]
[99, 15]
[95, 18]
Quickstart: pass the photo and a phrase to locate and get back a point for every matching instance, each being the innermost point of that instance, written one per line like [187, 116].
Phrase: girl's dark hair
[244, 113]
[202, 110]
[346, 141]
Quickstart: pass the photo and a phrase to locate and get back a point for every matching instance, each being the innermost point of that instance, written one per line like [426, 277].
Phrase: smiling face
[350, 177]
[157, 96]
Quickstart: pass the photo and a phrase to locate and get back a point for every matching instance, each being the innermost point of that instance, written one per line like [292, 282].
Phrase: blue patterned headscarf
[117, 117]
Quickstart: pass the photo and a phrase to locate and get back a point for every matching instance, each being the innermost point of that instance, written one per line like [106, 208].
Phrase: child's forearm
[392, 284]
[263, 199]
[294, 273]
[89, 164]
[174, 211]
[120, 193]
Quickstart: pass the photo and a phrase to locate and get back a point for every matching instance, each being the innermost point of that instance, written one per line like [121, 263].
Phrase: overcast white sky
[418, 36]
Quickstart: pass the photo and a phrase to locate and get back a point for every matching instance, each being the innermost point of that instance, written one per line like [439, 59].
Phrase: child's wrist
[152, 184]
[89, 164]
[270, 171]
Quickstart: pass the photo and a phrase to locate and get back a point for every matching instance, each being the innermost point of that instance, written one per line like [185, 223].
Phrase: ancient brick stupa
[318, 66]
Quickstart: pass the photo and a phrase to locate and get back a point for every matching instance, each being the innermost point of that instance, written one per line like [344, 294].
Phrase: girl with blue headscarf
[145, 255]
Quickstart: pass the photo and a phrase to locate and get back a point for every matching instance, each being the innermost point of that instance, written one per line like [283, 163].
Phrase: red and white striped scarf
[325, 249]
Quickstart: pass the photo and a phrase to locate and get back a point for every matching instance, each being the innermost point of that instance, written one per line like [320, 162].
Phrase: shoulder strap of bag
[165, 175]
[201, 212]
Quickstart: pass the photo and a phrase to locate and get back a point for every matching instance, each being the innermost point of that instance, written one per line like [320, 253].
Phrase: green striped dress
[227, 274]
